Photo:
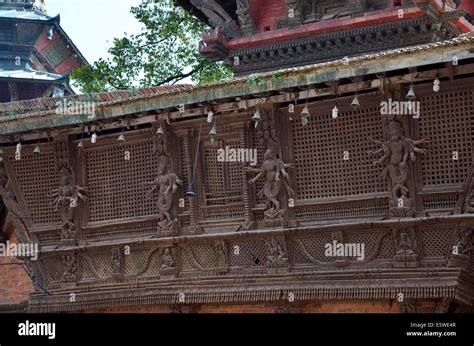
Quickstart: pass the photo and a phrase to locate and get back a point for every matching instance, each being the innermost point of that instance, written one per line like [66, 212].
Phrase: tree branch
[181, 76]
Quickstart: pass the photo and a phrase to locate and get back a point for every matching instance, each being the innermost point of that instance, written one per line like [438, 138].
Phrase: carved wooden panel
[54, 268]
[440, 202]
[436, 241]
[126, 230]
[49, 238]
[311, 249]
[36, 177]
[247, 254]
[97, 266]
[447, 119]
[115, 185]
[308, 249]
[199, 257]
[319, 151]
[142, 261]
[138, 262]
[224, 213]
[368, 208]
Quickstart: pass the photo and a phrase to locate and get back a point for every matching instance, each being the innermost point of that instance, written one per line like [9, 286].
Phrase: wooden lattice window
[37, 176]
[222, 180]
[186, 167]
[259, 183]
[436, 241]
[319, 150]
[115, 184]
[447, 119]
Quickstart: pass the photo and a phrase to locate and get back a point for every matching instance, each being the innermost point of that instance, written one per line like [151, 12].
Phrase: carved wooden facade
[268, 236]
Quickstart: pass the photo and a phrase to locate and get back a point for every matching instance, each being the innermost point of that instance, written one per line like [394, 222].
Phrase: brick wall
[15, 284]
[266, 12]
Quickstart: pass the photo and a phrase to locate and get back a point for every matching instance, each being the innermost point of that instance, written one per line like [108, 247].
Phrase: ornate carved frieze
[273, 170]
[301, 52]
[462, 247]
[397, 151]
[166, 184]
[406, 248]
[218, 17]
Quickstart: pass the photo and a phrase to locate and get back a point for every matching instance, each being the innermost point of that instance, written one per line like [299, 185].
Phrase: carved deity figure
[66, 199]
[396, 152]
[221, 251]
[276, 256]
[404, 244]
[70, 268]
[166, 183]
[405, 248]
[167, 261]
[272, 169]
[117, 262]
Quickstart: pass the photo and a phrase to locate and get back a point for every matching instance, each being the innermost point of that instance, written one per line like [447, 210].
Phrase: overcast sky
[93, 24]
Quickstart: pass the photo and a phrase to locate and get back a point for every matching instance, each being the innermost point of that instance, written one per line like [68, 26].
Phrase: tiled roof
[103, 97]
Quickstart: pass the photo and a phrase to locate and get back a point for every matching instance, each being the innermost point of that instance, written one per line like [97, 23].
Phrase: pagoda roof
[32, 15]
[27, 73]
[25, 14]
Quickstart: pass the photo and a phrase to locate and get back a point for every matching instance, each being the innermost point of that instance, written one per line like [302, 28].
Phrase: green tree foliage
[164, 53]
